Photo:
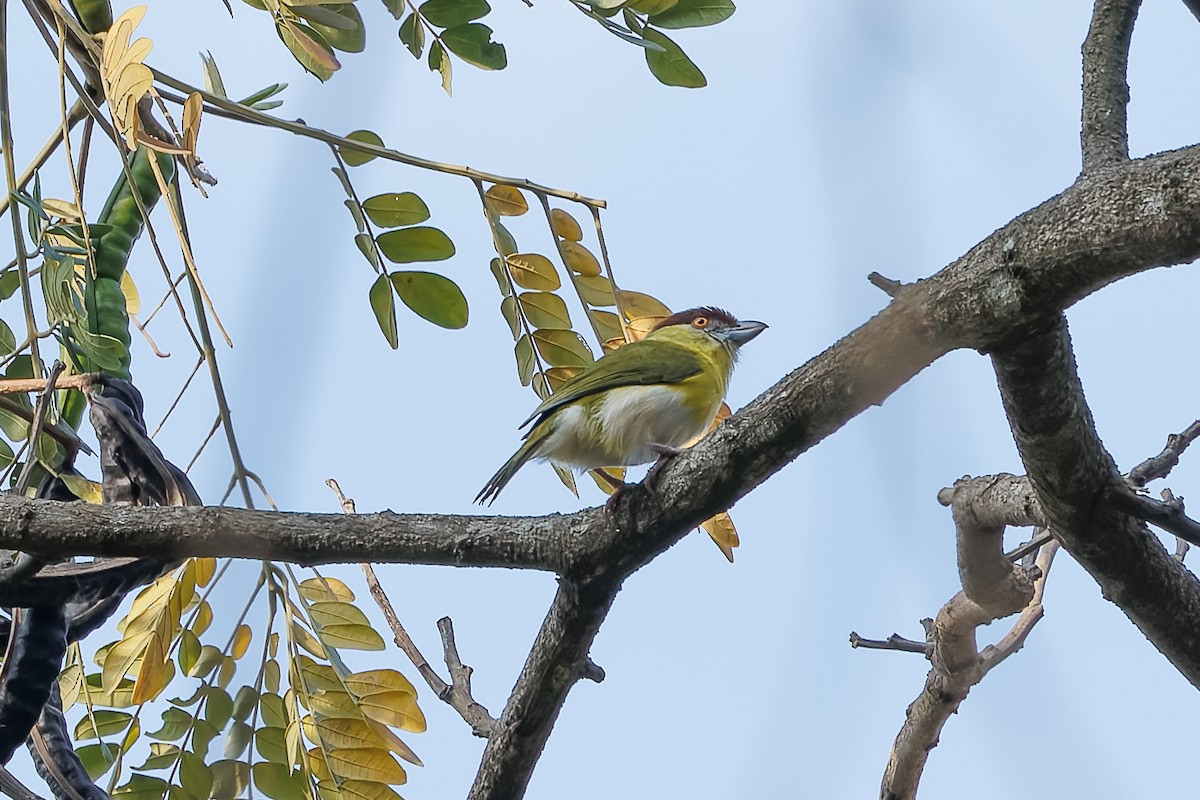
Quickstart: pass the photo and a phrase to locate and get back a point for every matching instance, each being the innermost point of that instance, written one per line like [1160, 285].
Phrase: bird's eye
[700, 322]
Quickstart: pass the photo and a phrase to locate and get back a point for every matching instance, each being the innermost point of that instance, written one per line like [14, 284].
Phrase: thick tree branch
[57, 529]
[1072, 473]
[957, 663]
[558, 659]
[1103, 134]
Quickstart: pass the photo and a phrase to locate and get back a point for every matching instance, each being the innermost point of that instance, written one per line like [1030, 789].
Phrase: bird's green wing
[644, 363]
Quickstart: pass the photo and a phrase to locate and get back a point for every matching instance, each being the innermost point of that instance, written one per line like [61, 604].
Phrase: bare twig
[457, 693]
[1160, 466]
[893, 642]
[888, 286]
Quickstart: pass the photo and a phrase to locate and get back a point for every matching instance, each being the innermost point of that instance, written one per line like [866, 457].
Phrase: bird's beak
[745, 331]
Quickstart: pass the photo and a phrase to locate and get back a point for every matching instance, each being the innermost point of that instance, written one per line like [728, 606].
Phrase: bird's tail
[503, 475]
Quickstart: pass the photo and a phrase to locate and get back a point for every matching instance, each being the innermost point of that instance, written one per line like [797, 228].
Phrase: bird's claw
[665, 453]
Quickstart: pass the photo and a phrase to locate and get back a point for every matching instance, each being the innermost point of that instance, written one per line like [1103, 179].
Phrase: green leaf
[344, 30]
[384, 307]
[433, 297]
[508, 309]
[356, 158]
[218, 708]
[412, 34]
[195, 777]
[391, 210]
[448, 13]
[9, 283]
[407, 245]
[142, 787]
[525, 361]
[694, 14]
[278, 782]
[101, 723]
[269, 743]
[356, 213]
[545, 310]
[230, 779]
[672, 66]
[8, 342]
[473, 43]
[308, 47]
[212, 76]
[439, 61]
[366, 246]
[162, 755]
[396, 7]
[562, 348]
[97, 758]
[175, 723]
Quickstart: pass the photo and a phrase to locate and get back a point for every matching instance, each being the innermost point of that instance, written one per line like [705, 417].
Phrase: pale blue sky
[833, 140]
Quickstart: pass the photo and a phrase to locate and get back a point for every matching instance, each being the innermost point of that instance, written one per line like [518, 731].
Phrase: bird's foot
[665, 453]
[610, 505]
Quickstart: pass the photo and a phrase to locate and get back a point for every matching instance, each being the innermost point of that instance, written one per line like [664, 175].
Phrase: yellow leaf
[340, 732]
[507, 201]
[88, 491]
[70, 685]
[241, 641]
[116, 40]
[394, 743]
[579, 259]
[367, 790]
[151, 676]
[398, 709]
[133, 301]
[533, 271]
[317, 765]
[595, 290]
[557, 376]
[352, 637]
[605, 486]
[315, 677]
[193, 107]
[607, 323]
[565, 225]
[334, 704]
[204, 568]
[204, 616]
[61, 208]
[722, 531]
[638, 327]
[333, 613]
[121, 658]
[378, 680]
[323, 589]
[300, 635]
[636, 304]
[366, 763]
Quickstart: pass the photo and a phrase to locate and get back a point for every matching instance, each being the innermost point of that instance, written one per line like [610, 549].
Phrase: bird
[638, 403]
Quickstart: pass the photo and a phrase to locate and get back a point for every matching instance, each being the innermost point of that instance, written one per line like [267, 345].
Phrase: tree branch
[957, 664]
[1103, 133]
[1072, 474]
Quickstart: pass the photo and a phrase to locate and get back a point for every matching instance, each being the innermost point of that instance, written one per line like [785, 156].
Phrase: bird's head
[720, 325]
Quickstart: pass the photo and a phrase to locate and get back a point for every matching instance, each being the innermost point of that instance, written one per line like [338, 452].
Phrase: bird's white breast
[621, 428]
